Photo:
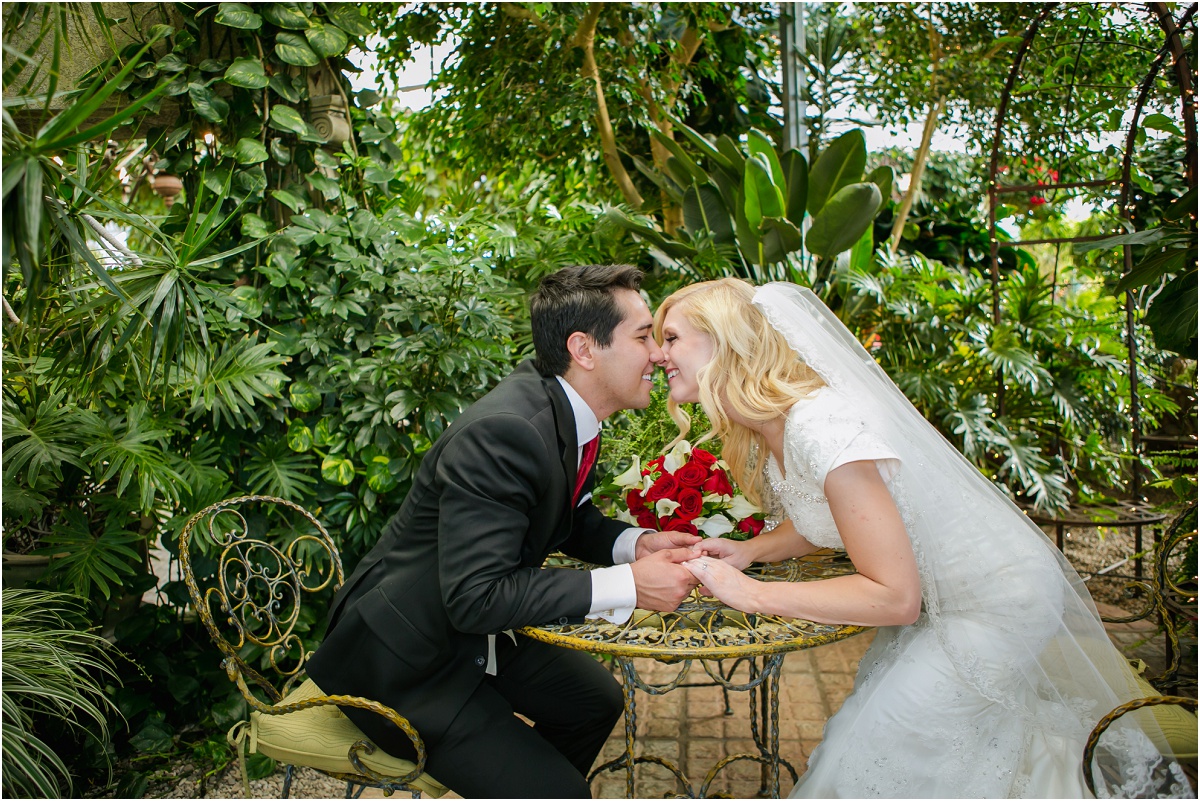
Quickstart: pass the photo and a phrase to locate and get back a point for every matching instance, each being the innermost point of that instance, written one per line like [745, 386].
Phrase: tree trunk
[585, 39]
[914, 183]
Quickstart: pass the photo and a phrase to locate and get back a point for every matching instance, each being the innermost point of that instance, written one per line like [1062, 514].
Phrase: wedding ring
[704, 565]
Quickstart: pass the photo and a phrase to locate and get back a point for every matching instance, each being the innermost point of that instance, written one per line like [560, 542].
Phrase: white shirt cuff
[614, 593]
[625, 548]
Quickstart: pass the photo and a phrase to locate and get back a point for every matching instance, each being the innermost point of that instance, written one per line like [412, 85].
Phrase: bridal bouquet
[685, 489]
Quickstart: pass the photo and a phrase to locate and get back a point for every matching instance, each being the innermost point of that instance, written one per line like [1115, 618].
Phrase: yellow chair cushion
[1178, 724]
[320, 737]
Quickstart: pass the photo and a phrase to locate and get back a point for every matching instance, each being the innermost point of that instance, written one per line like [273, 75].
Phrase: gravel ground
[1089, 550]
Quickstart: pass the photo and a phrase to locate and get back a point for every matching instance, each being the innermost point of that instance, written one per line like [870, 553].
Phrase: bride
[990, 666]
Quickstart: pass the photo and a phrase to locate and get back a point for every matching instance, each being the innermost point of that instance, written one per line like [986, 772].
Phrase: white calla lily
[624, 516]
[631, 477]
[678, 456]
[716, 526]
[665, 507]
[741, 508]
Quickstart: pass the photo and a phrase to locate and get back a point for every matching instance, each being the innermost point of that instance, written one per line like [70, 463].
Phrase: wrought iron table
[705, 629]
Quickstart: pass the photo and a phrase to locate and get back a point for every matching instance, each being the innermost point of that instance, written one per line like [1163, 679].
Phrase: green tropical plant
[746, 214]
[1064, 431]
[1164, 276]
[54, 674]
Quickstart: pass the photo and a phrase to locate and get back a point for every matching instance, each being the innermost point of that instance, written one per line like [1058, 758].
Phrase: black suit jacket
[462, 558]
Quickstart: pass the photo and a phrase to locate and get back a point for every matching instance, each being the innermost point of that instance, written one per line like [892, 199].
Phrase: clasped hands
[670, 564]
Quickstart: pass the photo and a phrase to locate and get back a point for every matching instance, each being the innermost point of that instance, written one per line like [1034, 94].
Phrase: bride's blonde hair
[753, 373]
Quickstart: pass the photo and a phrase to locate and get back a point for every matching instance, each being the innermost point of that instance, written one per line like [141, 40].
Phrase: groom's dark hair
[574, 299]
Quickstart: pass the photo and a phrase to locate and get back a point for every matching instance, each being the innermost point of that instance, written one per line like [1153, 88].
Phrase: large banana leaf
[761, 145]
[779, 238]
[843, 219]
[795, 171]
[704, 210]
[763, 197]
[840, 164]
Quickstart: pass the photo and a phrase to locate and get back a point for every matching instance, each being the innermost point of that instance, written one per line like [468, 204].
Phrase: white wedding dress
[993, 691]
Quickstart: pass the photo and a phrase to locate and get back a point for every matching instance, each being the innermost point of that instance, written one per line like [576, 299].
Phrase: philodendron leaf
[246, 73]
[249, 151]
[843, 219]
[285, 15]
[327, 40]
[286, 118]
[304, 396]
[348, 17]
[337, 470]
[299, 436]
[380, 477]
[763, 198]
[1172, 315]
[292, 48]
[238, 15]
[841, 164]
[207, 103]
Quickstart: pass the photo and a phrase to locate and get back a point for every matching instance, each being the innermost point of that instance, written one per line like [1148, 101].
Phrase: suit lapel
[564, 422]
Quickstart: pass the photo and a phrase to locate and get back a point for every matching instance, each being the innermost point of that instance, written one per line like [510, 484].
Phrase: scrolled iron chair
[1170, 594]
[269, 554]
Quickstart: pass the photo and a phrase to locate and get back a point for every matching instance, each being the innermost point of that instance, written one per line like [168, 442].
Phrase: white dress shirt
[614, 593]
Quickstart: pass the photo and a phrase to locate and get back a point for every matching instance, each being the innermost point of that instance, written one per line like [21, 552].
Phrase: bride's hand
[723, 580]
[730, 551]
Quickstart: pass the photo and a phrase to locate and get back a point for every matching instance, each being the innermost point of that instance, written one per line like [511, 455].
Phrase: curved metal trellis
[1052, 99]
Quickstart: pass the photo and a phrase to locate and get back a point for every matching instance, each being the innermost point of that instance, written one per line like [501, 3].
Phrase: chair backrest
[248, 563]
[1175, 573]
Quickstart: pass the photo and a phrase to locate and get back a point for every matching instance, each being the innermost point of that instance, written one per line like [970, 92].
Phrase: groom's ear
[579, 346]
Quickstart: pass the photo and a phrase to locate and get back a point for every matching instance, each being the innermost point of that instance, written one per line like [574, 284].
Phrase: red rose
[679, 524]
[752, 526]
[646, 519]
[718, 484]
[691, 503]
[653, 466]
[705, 458]
[691, 474]
[634, 501]
[664, 487]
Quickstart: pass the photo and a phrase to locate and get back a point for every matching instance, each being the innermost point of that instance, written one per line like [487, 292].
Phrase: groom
[415, 627]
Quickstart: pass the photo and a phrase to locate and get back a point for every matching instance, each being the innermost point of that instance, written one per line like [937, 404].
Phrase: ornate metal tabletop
[705, 629]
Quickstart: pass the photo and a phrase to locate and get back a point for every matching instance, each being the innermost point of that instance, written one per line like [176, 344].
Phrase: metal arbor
[1065, 128]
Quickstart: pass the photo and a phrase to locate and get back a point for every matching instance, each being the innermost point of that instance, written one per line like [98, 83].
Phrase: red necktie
[585, 464]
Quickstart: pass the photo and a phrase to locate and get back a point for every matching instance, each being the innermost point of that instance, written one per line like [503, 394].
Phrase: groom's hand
[653, 541]
[662, 580]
